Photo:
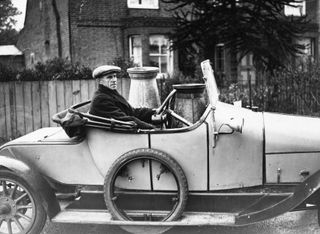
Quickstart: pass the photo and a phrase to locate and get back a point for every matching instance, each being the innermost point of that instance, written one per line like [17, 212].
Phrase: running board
[263, 209]
[104, 217]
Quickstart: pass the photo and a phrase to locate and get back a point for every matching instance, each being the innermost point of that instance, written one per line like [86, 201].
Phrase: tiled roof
[6, 50]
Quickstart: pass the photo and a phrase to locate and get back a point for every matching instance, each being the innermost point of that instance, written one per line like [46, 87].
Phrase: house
[11, 56]
[95, 32]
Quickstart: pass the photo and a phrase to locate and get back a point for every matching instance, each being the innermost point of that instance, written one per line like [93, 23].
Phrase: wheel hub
[8, 207]
[5, 209]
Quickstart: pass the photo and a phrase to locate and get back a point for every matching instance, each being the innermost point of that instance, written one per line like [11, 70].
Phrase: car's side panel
[291, 167]
[67, 163]
[189, 149]
[290, 133]
[292, 147]
[237, 159]
[106, 146]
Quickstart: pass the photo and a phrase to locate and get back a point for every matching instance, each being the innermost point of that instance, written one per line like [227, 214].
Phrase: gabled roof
[6, 50]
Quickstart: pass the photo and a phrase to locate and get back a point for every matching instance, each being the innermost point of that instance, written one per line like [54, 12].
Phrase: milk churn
[190, 101]
[143, 88]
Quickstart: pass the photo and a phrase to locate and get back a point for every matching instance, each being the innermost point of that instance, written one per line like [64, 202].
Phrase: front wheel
[21, 211]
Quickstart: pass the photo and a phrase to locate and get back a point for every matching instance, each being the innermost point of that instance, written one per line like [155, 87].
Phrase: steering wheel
[167, 114]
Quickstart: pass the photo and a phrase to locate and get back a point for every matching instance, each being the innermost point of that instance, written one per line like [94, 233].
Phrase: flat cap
[105, 70]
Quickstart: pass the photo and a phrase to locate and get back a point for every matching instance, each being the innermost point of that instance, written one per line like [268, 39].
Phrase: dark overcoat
[109, 103]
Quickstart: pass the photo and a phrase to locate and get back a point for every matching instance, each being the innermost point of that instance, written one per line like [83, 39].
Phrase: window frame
[143, 4]
[169, 55]
[299, 7]
[309, 52]
[220, 60]
[131, 54]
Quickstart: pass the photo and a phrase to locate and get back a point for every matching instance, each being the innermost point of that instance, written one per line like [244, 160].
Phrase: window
[308, 44]
[247, 60]
[247, 70]
[308, 53]
[297, 9]
[40, 5]
[143, 4]
[32, 58]
[135, 49]
[159, 53]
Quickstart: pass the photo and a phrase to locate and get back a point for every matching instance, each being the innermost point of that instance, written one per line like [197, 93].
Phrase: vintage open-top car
[233, 166]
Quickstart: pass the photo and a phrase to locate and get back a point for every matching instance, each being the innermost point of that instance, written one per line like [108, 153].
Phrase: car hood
[291, 134]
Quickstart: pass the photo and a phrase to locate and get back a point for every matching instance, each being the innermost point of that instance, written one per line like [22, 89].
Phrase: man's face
[109, 80]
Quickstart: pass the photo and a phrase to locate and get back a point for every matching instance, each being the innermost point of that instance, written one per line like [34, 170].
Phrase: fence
[286, 92]
[28, 106]
[299, 96]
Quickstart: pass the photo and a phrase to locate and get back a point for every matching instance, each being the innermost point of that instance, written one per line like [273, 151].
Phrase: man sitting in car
[108, 103]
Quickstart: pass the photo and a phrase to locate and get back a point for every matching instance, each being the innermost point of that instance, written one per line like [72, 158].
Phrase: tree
[242, 26]
[7, 12]
[8, 35]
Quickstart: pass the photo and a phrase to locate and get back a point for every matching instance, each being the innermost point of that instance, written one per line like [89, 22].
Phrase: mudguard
[300, 194]
[34, 179]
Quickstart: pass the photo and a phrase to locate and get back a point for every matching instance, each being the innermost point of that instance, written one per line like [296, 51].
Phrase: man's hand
[159, 118]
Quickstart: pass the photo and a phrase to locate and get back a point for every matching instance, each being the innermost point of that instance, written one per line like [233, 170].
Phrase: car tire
[20, 206]
[146, 154]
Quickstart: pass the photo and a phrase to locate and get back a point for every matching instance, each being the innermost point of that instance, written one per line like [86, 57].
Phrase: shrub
[291, 90]
[124, 65]
[55, 69]
[7, 73]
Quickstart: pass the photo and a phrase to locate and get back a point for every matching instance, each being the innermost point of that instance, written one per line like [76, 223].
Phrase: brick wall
[93, 32]
[100, 29]
[312, 11]
[39, 36]
[97, 46]
[96, 33]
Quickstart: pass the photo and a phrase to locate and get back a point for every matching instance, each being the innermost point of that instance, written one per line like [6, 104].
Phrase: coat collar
[107, 90]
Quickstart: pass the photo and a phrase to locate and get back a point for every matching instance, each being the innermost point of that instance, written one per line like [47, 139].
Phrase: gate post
[143, 88]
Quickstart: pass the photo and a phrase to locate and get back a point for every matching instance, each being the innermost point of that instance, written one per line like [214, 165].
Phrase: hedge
[57, 69]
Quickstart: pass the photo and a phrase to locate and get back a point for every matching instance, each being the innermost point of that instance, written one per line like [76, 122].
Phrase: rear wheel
[148, 203]
[21, 211]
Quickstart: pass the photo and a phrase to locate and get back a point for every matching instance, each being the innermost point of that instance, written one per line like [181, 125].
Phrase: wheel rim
[117, 195]
[17, 208]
